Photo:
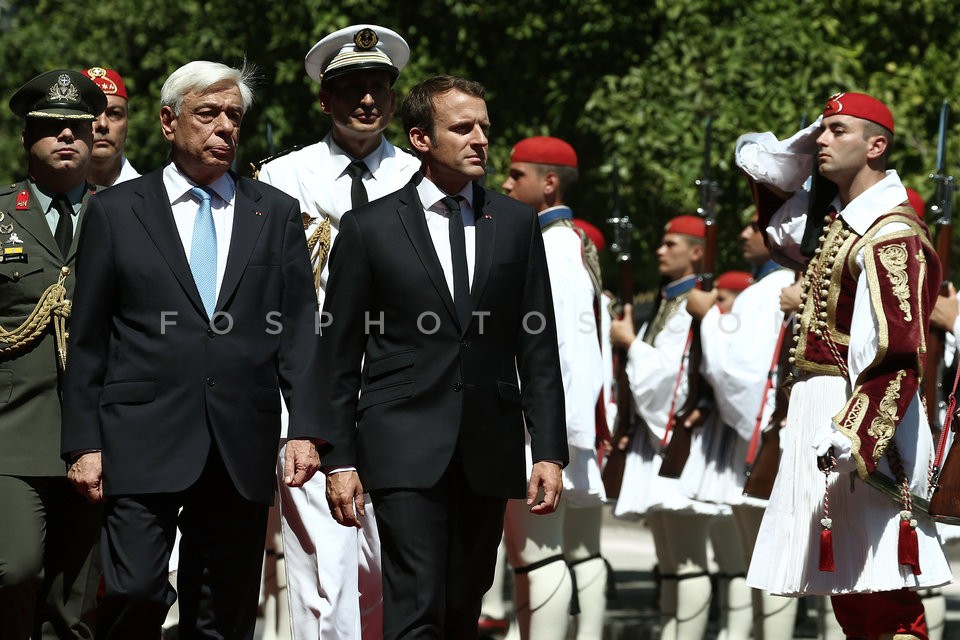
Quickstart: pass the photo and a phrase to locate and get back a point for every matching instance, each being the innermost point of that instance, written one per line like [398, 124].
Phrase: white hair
[198, 75]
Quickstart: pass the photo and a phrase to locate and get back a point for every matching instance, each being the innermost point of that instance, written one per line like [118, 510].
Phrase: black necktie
[358, 193]
[458, 255]
[64, 232]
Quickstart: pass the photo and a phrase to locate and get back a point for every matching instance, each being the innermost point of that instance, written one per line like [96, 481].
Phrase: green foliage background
[634, 79]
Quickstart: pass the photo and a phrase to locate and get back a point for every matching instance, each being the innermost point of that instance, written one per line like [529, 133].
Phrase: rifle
[941, 211]
[763, 462]
[677, 449]
[625, 423]
[945, 475]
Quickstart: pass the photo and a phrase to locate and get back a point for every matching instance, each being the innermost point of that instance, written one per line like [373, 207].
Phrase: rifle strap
[672, 416]
[945, 431]
[757, 427]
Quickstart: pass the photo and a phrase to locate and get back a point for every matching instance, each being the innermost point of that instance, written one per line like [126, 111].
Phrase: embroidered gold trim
[848, 422]
[885, 423]
[893, 257]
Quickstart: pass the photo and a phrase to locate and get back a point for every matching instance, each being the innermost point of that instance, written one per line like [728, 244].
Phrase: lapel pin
[487, 216]
[258, 213]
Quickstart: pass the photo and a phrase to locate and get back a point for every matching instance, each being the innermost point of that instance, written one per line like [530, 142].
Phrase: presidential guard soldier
[855, 420]
[542, 171]
[738, 350]
[327, 565]
[108, 164]
[49, 565]
[656, 369]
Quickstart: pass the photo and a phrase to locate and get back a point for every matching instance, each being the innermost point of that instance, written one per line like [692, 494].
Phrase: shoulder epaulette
[256, 167]
[9, 187]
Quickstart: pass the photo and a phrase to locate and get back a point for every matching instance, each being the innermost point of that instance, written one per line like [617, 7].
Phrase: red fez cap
[916, 201]
[734, 280]
[595, 235]
[859, 105]
[108, 80]
[544, 150]
[688, 226]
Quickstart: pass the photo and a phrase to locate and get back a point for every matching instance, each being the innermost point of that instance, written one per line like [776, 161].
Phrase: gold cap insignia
[366, 38]
[63, 91]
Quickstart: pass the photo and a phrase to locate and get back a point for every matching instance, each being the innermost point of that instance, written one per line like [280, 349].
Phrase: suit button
[458, 386]
[211, 382]
[211, 332]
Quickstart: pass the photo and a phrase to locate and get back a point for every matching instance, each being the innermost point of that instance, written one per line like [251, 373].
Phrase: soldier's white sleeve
[738, 348]
[581, 365]
[652, 371]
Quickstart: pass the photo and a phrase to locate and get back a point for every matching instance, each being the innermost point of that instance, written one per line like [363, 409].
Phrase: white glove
[830, 437]
[786, 165]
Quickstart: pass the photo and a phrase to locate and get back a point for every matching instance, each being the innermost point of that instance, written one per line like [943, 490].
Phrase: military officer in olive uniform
[48, 568]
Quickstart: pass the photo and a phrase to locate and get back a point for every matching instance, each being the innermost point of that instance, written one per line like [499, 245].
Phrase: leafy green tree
[634, 79]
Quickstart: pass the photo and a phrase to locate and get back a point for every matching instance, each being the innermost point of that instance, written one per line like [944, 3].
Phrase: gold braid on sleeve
[318, 244]
[54, 307]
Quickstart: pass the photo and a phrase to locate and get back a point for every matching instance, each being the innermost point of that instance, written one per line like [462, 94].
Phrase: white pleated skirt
[712, 473]
[582, 483]
[866, 523]
[644, 490]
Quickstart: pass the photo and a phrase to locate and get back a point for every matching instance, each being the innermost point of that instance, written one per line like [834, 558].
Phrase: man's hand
[699, 302]
[345, 497]
[790, 298]
[945, 311]
[545, 476]
[621, 329]
[300, 462]
[86, 476]
[695, 418]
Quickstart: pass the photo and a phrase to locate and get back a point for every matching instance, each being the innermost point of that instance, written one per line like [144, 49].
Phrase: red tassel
[908, 550]
[826, 550]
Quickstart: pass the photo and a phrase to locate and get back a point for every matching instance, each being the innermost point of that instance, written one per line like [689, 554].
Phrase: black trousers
[49, 560]
[221, 555]
[439, 553]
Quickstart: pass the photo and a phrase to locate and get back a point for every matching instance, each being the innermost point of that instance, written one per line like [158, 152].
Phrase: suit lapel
[486, 232]
[72, 252]
[33, 222]
[415, 224]
[247, 224]
[154, 212]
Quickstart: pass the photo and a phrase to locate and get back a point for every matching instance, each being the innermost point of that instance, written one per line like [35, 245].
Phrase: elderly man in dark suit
[195, 311]
[433, 422]
[48, 559]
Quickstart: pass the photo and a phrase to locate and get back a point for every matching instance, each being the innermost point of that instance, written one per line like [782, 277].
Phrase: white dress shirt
[185, 205]
[439, 226]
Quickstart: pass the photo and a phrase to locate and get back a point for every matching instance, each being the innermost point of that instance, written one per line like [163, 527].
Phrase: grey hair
[198, 75]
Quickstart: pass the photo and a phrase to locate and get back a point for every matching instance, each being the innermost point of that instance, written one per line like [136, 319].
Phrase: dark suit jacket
[30, 376]
[150, 382]
[421, 393]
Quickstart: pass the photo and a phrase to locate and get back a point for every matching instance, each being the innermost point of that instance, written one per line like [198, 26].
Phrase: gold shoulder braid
[318, 245]
[53, 306]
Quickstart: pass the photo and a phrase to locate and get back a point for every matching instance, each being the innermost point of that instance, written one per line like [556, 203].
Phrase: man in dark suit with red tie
[194, 312]
[441, 290]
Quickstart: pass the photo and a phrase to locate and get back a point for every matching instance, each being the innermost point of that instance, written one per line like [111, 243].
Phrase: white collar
[861, 212]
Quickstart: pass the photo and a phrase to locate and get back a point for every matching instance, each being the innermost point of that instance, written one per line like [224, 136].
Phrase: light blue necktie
[203, 250]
